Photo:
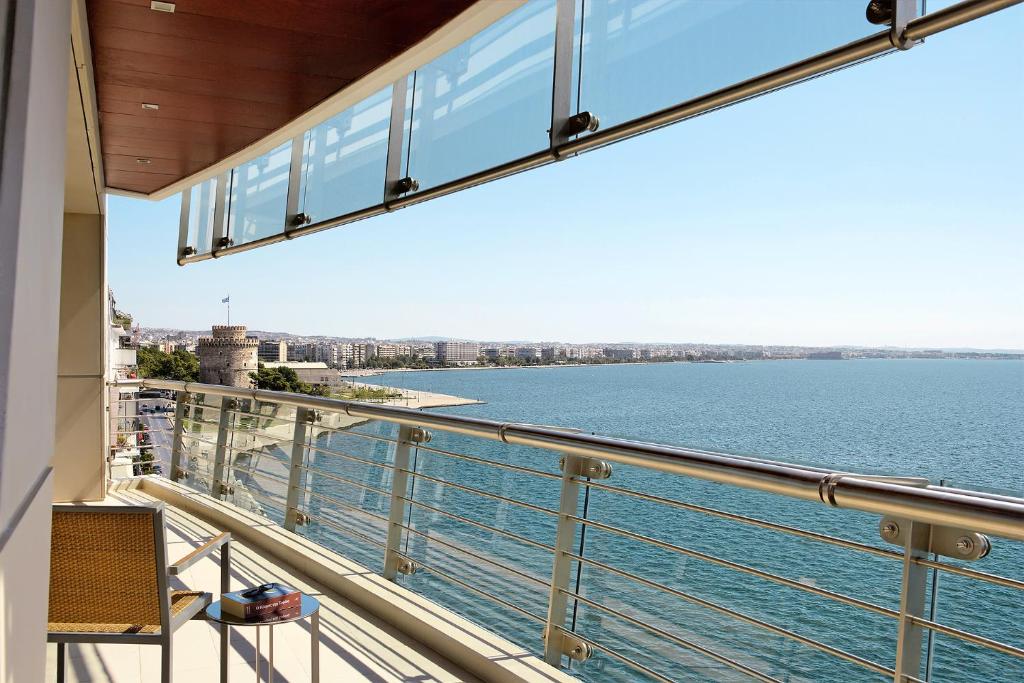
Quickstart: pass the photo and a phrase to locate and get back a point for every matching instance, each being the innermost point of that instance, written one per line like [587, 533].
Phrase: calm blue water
[954, 420]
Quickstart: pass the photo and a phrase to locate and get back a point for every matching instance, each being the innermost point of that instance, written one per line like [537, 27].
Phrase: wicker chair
[109, 580]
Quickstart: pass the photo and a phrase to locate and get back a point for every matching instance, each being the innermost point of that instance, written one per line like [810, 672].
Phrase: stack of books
[263, 604]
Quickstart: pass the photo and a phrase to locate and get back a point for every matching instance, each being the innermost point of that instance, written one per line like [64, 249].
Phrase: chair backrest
[108, 565]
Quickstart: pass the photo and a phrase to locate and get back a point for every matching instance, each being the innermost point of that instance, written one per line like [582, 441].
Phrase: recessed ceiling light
[161, 6]
[140, 160]
[150, 105]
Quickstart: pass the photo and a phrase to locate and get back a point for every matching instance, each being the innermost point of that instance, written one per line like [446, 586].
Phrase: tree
[285, 379]
[277, 379]
[180, 365]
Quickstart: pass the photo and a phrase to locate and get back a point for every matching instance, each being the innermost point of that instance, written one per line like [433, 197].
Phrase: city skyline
[785, 220]
[150, 333]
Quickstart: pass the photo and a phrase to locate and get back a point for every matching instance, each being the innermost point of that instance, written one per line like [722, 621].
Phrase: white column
[34, 58]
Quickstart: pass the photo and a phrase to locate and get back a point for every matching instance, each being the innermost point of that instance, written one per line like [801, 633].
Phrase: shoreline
[374, 372]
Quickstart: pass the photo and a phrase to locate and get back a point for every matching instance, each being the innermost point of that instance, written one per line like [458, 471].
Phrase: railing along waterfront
[620, 559]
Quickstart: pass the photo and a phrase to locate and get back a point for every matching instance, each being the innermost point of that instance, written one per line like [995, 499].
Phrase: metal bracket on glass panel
[220, 213]
[300, 517]
[394, 562]
[581, 123]
[561, 88]
[419, 435]
[959, 544]
[303, 418]
[220, 467]
[393, 175]
[293, 218]
[406, 184]
[896, 14]
[184, 248]
[574, 648]
[406, 566]
[180, 411]
[586, 467]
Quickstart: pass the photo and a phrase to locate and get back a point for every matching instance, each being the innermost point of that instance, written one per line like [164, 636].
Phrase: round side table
[310, 608]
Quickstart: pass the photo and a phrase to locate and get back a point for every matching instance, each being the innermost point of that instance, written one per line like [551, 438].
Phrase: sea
[700, 589]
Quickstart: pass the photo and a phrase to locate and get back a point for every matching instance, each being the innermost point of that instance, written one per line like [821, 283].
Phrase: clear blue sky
[881, 205]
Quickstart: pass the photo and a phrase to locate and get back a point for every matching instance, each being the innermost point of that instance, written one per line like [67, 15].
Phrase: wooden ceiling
[225, 73]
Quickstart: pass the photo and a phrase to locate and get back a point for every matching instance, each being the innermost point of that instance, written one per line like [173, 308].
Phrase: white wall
[79, 464]
[31, 213]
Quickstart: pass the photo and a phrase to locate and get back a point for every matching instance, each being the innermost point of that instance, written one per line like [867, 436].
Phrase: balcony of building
[444, 547]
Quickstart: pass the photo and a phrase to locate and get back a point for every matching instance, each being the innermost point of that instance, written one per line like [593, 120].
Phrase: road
[160, 425]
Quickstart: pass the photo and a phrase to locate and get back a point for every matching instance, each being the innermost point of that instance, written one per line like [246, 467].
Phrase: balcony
[609, 559]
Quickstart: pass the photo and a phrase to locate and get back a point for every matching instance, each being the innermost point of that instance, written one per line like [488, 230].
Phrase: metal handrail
[996, 516]
[583, 464]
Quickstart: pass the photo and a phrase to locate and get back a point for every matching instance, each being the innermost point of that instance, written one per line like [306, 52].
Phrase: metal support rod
[303, 419]
[291, 213]
[561, 87]
[218, 483]
[399, 490]
[186, 200]
[396, 134]
[904, 11]
[565, 542]
[220, 211]
[182, 398]
[912, 601]
[999, 516]
[933, 607]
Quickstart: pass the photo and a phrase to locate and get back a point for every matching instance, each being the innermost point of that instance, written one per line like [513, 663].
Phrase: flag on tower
[226, 300]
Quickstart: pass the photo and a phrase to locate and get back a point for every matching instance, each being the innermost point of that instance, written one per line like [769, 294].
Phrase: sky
[879, 206]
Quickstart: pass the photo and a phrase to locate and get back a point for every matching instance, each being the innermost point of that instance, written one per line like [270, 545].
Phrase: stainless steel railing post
[916, 545]
[218, 482]
[181, 399]
[304, 417]
[393, 563]
[565, 542]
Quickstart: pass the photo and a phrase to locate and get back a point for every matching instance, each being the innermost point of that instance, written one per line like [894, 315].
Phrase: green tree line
[179, 365]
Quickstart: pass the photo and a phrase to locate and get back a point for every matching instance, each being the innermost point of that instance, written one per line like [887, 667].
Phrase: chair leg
[61, 661]
[224, 653]
[166, 661]
[225, 587]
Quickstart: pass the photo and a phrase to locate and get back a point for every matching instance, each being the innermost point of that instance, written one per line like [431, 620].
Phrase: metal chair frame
[168, 623]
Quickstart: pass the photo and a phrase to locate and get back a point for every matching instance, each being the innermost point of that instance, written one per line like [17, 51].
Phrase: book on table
[269, 602]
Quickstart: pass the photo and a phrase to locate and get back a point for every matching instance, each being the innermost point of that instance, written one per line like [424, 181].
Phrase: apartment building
[456, 352]
[273, 351]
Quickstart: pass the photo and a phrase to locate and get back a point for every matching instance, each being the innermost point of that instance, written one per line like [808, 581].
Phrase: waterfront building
[393, 350]
[424, 351]
[527, 353]
[312, 372]
[353, 355]
[551, 353]
[491, 352]
[326, 352]
[622, 354]
[456, 352]
[301, 352]
[273, 351]
[228, 356]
